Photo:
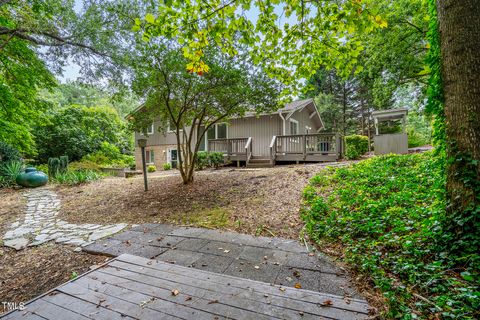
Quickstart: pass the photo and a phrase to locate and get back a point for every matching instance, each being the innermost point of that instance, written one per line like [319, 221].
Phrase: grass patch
[206, 218]
[386, 214]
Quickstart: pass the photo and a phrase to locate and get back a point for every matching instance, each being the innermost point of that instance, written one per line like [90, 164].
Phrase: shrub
[215, 159]
[385, 213]
[8, 153]
[84, 165]
[63, 164]
[9, 172]
[53, 167]
[167, 166]
[109, 155]
[42, 167]
[202, 160]
[77, 177]
[151, 168]
[355, 146]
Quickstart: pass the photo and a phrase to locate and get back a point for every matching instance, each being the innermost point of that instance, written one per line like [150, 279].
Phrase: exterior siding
[159, 152]
[261, 129]
[158, 137]
[303, 118]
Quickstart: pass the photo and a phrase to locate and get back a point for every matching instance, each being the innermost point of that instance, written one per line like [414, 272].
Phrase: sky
[72, 71]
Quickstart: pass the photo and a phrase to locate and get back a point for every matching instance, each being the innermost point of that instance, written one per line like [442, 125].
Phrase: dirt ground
[259, 202]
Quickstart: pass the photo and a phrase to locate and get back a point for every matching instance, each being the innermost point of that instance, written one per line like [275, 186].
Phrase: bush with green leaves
[215, 159]
[9, 172]
[151, 168]
[76, 177]
[53, 167]
[386, 213]
[8, 153]
[167, 166]
[202, 161]
[206, 159]
[76, 131]
[355, 146]
[109, 155]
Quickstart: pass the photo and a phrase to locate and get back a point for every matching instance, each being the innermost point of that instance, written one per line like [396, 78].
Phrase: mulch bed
[261, 202]
[28, 273]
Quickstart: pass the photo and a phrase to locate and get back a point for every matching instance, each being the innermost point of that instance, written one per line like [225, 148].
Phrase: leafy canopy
[290, 39]
[76, 131]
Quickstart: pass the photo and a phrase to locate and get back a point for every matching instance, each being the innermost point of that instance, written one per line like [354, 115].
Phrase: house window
[308, 129]
[293, 126]
[203, 142]
[217, 131]
[149, 156]
[171, 127]
[150, 129]
[221, 130]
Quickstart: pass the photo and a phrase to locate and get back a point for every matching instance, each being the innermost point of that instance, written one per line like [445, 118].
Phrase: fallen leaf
[213, 301]
[311, 254]
[298, 285]
[296, 274]
[257, 267]
[327, 303]
[188, 298]
[175, 292]
[226, 251]
[300, 313]
[282, 289]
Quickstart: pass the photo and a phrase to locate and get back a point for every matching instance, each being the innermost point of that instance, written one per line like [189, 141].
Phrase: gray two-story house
[293, 133]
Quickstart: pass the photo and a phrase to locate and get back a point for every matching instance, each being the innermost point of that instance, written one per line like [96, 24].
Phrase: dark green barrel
[32, 178]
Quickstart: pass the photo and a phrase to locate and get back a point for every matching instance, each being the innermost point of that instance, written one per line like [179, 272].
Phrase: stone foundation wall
[160, 155]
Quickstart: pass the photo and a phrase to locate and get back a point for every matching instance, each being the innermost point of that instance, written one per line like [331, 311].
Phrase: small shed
[390, 142]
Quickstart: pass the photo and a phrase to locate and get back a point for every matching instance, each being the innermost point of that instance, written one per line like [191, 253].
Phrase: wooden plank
[255, 301]
[234, 281]
[257, 297]
[21, 314]
[86, 308]
[50, 311]
[207, 303]
[248, 307]
[113, 303]
[125, 289]
[355, 305]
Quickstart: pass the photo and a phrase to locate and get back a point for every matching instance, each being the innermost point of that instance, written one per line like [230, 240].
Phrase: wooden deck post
[304, 147]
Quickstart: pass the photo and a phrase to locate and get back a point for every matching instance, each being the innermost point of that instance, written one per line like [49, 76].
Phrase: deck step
[259, 164]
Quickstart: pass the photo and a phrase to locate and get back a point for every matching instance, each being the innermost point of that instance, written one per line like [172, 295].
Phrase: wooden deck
[131, 287]
[313, 147]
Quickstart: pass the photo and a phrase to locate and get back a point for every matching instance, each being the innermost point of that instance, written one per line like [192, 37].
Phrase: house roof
[289, 109]
[295, 105]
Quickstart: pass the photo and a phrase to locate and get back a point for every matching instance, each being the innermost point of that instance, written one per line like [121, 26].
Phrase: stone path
[41, 225]
[272, 260]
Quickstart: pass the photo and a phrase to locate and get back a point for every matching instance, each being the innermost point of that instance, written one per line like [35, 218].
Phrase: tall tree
[192, 103]
[459, 27]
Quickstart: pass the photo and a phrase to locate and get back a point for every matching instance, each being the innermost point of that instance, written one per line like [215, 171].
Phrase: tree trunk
[459, 27]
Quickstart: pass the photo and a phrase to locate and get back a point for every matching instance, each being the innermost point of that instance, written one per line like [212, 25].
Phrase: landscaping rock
[41, 225]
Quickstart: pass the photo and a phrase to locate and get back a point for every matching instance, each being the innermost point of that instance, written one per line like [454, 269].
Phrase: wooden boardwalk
[131, 287]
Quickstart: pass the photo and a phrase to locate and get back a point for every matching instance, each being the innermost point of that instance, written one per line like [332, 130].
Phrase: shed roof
[390, 114]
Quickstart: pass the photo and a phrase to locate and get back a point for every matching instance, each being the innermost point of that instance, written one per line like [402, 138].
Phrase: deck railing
[235, 149]
[301, 146]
